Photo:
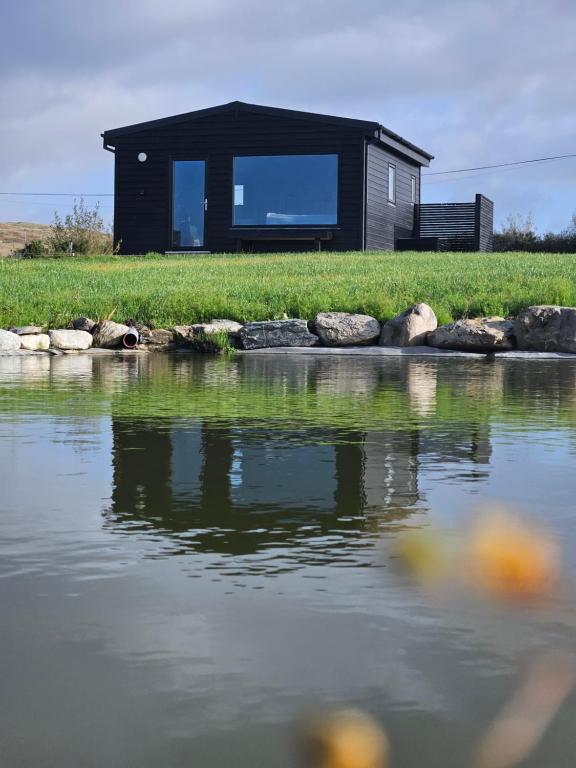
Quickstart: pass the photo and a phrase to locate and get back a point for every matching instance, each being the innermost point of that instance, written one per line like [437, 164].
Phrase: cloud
[475, 82]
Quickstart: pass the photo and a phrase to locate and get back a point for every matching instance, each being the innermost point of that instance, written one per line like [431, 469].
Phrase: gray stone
[481, 334]
[64, 338]
[341, 329]
[109, 334]
[157, 337]
[9, 342]
[24, 330]
[231, 327]
[83, 324]
[277, 333]
[36, 341]
[546, 328]
[410, 328]
[182, 333]
[188, 332]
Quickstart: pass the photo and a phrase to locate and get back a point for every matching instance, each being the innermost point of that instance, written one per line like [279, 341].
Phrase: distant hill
[14, 234]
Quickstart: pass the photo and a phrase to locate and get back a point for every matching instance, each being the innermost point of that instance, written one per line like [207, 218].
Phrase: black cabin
[247, 177]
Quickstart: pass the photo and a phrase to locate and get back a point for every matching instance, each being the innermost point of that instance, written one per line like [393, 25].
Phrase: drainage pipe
[130, 339]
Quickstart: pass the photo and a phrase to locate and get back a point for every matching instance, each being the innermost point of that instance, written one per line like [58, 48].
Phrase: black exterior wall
[143, 190]
[386, 221]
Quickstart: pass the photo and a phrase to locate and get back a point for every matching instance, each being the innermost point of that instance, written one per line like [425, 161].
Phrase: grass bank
[168, 290]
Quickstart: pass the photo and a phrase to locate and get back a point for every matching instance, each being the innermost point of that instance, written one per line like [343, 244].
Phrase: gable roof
[370, 128]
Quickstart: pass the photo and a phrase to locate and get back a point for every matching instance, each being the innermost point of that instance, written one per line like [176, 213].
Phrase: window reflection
[188, 204]
[286, 190]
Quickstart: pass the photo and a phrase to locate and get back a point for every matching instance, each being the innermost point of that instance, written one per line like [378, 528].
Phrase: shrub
[82, 231]
[518, 234]
[35, 249]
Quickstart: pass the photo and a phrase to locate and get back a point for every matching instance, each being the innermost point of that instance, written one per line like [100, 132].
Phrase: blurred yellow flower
[510, 558]
[346, 738]
[502, 556]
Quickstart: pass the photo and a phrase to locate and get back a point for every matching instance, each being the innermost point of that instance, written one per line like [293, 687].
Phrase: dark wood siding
[484, 224]
[455, 226]
[143, 190]
[385, 222]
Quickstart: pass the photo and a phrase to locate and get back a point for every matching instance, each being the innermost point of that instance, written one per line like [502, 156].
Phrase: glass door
[188, 203]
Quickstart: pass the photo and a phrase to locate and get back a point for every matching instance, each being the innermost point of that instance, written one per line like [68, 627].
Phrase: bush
[518, 234]
[35, 249]
[81, 231]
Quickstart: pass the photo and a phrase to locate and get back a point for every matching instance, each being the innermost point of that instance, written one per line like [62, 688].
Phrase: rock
[277, 333]
[341, 329]
[9, 342]
[231, 327]
[198, 335]
[482, 334]
[157, 337]
[109, 334]
[24, 330]
[182, 333]
[36, 341]
[186, 332]
[410, 328]
[546, 328]
[64, 338]
[83, 324]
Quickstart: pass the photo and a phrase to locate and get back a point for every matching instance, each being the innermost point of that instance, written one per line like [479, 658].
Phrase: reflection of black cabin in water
[242, 176]
[224, 482]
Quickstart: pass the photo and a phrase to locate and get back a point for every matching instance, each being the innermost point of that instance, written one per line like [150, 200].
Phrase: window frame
[392, 190]
[413, 189]
[267, 227]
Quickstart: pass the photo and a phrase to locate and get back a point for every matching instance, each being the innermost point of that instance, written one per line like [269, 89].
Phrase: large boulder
[25, 330]
[481, 334]
[83, 324]
[158, 338]
[410, 328]
[35, 341]
[188, 333]
[109, 334]
[341, 329]
[63, 338]
[546, 328]
[9, 342]
[277, 333]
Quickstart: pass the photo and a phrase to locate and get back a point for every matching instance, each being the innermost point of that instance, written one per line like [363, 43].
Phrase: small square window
[391, 183]
[413, 188]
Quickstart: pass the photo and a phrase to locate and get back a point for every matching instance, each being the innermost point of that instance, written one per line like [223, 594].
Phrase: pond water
[195, 552]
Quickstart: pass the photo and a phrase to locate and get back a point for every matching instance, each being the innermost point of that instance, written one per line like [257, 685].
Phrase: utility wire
[433, 173]
[500, 165]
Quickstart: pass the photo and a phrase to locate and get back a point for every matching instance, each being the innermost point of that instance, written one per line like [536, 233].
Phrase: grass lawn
[168, 290]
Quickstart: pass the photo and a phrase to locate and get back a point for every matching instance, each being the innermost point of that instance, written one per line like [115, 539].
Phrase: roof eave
[394, 141]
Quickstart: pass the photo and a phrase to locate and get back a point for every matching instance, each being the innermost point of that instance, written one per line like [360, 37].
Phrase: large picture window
[286, 190]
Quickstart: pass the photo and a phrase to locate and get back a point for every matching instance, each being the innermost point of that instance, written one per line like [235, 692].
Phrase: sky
[474, 82]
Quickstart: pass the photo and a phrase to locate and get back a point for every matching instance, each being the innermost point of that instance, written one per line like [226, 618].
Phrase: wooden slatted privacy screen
[452, 226]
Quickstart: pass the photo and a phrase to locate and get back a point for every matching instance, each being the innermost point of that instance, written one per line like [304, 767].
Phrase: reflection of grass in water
[169, 290]
[224, 389]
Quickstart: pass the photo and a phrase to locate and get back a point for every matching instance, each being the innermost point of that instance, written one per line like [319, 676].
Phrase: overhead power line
[501, 165]
[432, 173]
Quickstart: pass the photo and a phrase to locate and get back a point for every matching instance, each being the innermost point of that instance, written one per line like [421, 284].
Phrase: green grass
[168, 290]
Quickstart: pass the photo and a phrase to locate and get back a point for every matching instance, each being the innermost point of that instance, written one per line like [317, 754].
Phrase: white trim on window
[391, 183]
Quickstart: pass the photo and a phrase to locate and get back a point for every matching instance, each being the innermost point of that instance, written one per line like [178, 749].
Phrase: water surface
[194, 552]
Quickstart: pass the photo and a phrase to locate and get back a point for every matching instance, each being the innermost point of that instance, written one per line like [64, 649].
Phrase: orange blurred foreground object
[515, 734]
[346, 739]
[510, 559]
